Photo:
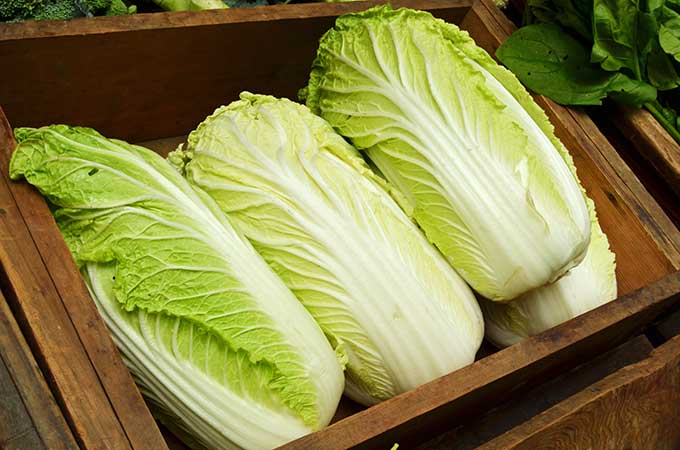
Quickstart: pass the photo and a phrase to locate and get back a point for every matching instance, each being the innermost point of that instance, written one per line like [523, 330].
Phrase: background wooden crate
[155, 78]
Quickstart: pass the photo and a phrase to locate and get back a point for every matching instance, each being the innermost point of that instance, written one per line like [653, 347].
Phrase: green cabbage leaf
[210, 333]
[384, 296]
[475, 158]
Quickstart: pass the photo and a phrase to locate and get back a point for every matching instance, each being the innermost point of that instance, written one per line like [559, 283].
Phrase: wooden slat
[434, 407]
[185, 64]
[669, 326]
[638, 407]
[652, 141]
[641, 167]
[479, 430]
[29, 415]
[16, 429]
[69, 338]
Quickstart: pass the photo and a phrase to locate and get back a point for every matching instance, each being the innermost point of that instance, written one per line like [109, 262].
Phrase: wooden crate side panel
[638, 407]
[69, 338]
[16, 429]
[180, 74]
[476, 431]
[442, 401]
[652, 141]
[29, 416]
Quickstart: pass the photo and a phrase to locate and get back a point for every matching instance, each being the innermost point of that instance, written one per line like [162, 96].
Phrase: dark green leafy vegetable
[669, 37]
[577, 52]
[622, 34]
[572, 15]
[557, 66]
[21, 10]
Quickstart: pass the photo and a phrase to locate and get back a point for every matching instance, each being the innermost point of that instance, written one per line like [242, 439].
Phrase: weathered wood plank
[637, 407]
[29, 416]
[669, 326]
[652, 142]
[641, 167]
[16, 428]
[475, 431]
[135, 109]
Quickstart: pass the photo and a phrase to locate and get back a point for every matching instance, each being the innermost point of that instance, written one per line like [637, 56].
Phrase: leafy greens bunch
[577, 52]
[21, 10]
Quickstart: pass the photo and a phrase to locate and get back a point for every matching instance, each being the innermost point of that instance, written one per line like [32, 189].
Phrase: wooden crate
[153, 79]
[651, 141]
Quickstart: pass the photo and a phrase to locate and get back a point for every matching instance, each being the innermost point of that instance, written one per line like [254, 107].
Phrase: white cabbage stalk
[475, 158]
[384, 296]
[210, 333]
[585, 287]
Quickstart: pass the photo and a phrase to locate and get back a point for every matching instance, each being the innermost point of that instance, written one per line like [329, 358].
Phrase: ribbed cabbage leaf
[476, 159]
[384, 296]
[210, 333]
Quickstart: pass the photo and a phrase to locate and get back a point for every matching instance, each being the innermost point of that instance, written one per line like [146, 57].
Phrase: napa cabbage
[585, 287]
[382, 294]
[212, 336]
[475, 158]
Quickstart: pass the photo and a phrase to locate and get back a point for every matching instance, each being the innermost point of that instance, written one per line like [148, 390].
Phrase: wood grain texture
[637, 408]
[67, 335]
[185, 64]
[501, 418]
[455, 9]
[52, 335]
[16, 428]
[641, 167]
[29, 415]
[652, 141]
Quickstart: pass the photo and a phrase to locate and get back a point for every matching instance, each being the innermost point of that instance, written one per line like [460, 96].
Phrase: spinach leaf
[574, 15]
[553, 63]
[623, 34]
[669, 37]
[661, 72]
